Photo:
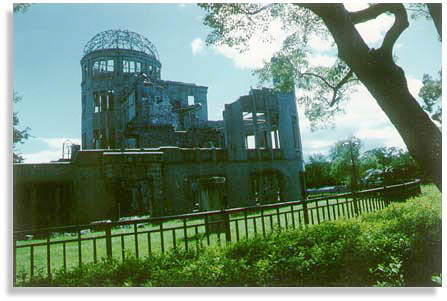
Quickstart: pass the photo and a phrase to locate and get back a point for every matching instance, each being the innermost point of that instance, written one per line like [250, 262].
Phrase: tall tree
[18, 135]
[318, 172]
[431, 93]
[376, 69]
[345, 160]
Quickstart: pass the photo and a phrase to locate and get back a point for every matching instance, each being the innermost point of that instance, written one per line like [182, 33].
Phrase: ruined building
[149, 148]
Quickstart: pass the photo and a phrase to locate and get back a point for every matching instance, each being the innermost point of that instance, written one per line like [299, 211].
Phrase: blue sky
[48, 41]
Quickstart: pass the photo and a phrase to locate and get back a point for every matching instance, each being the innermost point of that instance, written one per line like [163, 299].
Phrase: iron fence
[49, 249]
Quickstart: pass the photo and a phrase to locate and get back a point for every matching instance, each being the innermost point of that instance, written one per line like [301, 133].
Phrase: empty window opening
[275, 139]
[110, 65]
[126, 66]
[190, 100]
[96, 103]
[250, 142]
[137, 67]
[131, 66]
[95, 67]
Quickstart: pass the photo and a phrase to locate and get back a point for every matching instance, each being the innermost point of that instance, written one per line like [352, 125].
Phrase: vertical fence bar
[278, 217]
[305, 213]
[263, 222]
[108, 233]
[338, 208]
[174, 244]
[254, 225]
[48, 255]
[162, 241]
[207, 231]
[64, 251]
[348, 209]
[237, 230]
[318, 212]
[31, 261]
[149, 243]
[185, 233]
[311, 216]
[245, 222]
[122, 247]
[226, 221]
[324, 214]
[135, 229]
[271, 222]
[293, 217]
[94, 250]
[79, 247]
[196, 231]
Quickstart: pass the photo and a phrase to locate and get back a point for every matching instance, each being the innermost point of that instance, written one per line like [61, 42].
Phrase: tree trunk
[435, 10]
[387, 83]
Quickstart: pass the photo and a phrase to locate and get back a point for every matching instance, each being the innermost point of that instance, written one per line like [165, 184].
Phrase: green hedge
[399, 246]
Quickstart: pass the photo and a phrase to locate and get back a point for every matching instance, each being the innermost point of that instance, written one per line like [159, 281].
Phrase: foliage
[20, 7]
[323, 90]
[345, 162]
[399, 246]
[431, 93]
[18, 135]
[318, 172]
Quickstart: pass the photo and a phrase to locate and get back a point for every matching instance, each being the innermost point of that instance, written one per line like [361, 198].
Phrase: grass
[196, 236]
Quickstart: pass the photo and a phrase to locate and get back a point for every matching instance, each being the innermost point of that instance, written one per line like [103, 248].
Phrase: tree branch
[400, 24]
[247, 12]
[435, 10]
[346, 79]
[370, 13]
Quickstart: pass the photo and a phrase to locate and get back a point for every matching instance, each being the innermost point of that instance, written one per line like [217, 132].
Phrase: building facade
[148, 146]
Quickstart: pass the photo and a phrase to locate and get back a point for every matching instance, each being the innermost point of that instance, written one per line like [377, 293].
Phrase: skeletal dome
[121, 39]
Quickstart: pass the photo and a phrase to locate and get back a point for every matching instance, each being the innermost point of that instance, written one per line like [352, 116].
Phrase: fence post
[354, 200]
[226, 222]
[305, 212]
[14, 255]
[108, 231]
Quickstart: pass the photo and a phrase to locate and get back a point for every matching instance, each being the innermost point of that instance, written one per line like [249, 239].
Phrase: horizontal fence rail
[50, 249]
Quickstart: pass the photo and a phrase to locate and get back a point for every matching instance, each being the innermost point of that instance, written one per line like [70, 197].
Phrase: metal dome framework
[121, 39]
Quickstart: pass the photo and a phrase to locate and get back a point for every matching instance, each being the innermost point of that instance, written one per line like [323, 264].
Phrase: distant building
[148, 146]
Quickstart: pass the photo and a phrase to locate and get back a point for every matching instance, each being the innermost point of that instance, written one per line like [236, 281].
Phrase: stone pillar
[285, 128]
[235, 132]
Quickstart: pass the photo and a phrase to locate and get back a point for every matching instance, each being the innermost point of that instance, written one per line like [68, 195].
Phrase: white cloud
[42, 156]
[322, 60]
[320, 44]
[374, 30]
[363, 119]
[197, 46]
[52, 151]
[258, 51]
